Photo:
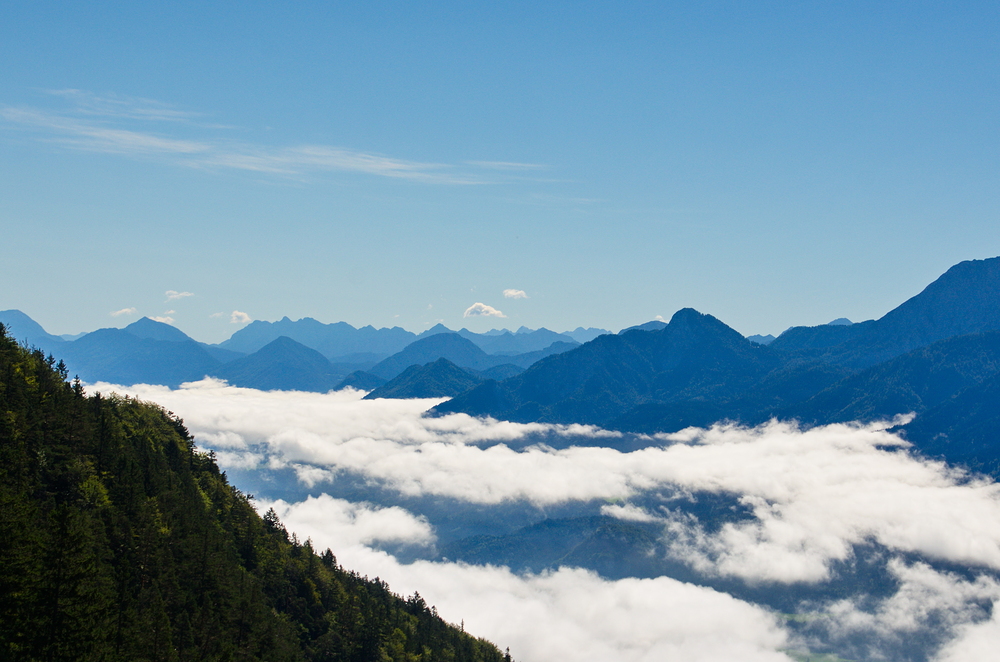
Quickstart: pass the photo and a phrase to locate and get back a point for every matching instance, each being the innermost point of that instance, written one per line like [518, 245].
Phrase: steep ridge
[965, 299]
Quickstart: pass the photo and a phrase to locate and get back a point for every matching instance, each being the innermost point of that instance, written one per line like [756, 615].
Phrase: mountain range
[929, 355]
[936, 351]
[303, 355]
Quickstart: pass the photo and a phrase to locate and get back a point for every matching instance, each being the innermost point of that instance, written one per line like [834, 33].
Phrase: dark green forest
[119, 540]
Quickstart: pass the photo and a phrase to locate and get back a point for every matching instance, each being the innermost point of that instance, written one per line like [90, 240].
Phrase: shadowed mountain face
[914, 382]
[695, 355]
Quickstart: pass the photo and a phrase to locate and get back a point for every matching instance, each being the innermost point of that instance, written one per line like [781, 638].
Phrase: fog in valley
[778, 540]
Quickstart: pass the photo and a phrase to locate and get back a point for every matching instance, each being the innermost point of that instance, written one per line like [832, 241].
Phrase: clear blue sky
[394, 163]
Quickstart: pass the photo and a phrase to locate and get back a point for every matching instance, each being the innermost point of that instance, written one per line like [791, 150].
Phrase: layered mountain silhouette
[694, 356]
[148, 351]
[937, 355]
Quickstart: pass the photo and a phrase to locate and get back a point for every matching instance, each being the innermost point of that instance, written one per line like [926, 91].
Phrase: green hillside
[120, 541]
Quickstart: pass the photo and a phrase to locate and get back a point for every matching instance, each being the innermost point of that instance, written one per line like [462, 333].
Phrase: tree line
[119, 540]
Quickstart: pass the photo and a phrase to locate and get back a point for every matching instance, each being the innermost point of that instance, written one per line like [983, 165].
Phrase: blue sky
[395, 163]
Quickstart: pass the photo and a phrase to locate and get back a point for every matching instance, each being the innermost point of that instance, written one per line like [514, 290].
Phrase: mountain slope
[282, 364]
[120, 541]
[119, 357]
[694, 356]
[440, 379]
[25, 329]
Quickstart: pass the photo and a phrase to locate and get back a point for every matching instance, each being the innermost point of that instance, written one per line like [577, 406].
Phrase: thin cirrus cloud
[479, 309]
[812, 496]
[515, 294]
[98, 124]
[124, 311]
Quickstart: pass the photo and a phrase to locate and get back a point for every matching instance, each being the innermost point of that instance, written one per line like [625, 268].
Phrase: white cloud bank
[813, 495]
[569, 614]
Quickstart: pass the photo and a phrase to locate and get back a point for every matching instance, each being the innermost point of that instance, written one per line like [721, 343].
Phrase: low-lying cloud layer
[812, 497]
[570, 614]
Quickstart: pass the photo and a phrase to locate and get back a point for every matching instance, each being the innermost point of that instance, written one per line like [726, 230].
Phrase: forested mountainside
[120, 541]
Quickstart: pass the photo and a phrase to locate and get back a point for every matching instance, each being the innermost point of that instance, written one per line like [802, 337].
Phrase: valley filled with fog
[762, 543]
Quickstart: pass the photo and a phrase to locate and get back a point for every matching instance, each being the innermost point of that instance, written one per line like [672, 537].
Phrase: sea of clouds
[813, 498]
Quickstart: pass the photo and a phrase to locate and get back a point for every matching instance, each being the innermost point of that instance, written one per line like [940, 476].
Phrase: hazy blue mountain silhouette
[153, 330]
[23, 329]
[452, 346]
[335, 340]
[283, 364]
[119, 357]
[582, 335]
[440, 379]
[652, 325]
[520, 343]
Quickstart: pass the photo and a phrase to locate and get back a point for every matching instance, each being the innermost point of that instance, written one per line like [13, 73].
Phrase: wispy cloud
[239, 317]
[515, 294]
[118, 125]
[174, 295]
[114, 105]
[166, 319]
[482, 310]
[124, 311]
